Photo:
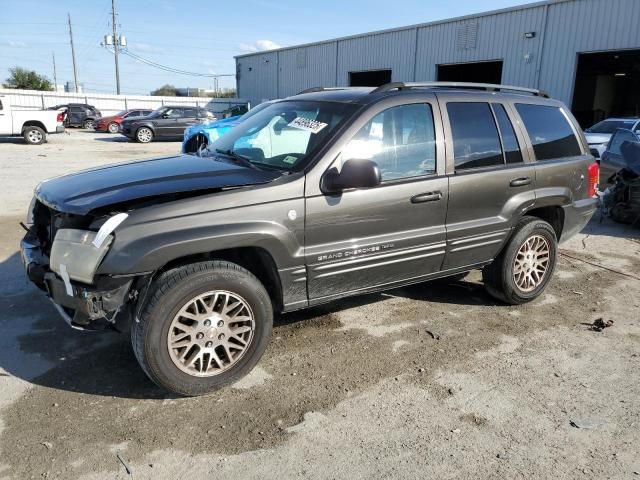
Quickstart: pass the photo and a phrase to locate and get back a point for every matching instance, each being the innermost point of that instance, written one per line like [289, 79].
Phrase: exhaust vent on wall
[467, 36]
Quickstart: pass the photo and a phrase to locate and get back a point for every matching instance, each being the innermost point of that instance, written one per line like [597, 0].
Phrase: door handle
[426, 197]
[520, 182]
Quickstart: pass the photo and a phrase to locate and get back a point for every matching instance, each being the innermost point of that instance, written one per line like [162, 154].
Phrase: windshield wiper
[239, 159]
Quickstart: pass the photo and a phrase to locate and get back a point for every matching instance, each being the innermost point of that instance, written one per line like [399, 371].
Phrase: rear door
[189, 118]
[76, 115]
[611, 160]
[393, 233]
[490, 181]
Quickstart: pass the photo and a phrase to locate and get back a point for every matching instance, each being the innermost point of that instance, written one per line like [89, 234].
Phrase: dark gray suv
[329, 193]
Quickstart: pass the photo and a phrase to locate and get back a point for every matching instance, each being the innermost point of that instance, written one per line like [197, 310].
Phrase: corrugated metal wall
[548, 61]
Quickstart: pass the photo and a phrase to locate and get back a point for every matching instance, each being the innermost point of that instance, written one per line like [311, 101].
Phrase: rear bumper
[83, 307]
[577, 215]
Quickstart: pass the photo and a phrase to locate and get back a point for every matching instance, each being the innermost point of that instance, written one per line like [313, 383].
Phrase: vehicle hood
[597, 138]
[82, 192]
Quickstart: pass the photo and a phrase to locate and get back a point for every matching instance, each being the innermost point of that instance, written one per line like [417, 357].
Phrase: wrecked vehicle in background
[620, 170]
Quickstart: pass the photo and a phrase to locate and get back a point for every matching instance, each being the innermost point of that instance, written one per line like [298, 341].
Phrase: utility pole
[116, 43]
[55, 77]
[73, 56]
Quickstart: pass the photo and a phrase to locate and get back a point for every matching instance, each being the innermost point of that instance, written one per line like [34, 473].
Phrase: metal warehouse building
[583, 52]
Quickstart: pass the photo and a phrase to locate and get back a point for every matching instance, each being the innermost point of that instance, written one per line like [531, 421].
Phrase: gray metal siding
[580, 27]
[394, 50]
[548, 61]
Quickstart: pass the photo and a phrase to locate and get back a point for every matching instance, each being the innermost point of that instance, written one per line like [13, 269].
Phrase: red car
[112, 124]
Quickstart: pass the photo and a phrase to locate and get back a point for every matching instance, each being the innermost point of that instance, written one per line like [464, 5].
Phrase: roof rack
[321, 89]
[489, 87]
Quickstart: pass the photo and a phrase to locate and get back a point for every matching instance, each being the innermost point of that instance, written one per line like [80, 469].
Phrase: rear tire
[113, 127]
[89, 124]
[192, 337]
[144, 135]
[521, 272]
[34, 135]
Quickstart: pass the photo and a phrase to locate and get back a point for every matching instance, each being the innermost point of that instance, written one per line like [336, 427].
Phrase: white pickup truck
[33, 125]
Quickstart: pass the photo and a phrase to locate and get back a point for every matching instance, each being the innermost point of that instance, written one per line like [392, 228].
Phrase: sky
[196, 36]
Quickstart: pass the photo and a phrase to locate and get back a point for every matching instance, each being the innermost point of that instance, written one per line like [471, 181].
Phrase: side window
[401, 140]
[475, 136]
[174, 113]
[190, 113]
[512, 153]
[619, 138]
[549, 130]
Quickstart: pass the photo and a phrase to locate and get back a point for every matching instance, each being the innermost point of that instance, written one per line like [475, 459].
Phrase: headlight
[74, 251]
[79, 252]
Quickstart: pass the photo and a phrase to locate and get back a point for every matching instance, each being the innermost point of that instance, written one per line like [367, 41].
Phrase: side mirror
[355, 173]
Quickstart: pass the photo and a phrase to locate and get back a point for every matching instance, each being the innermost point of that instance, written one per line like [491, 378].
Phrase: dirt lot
[357, 389]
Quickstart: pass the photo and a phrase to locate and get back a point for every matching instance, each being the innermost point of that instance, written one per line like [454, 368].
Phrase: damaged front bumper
[108, 303]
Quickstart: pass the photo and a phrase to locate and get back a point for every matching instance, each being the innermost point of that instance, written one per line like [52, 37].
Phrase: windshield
[284, 134]
[610, 126]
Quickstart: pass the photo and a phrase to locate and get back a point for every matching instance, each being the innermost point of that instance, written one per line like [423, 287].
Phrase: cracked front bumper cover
[87, 307]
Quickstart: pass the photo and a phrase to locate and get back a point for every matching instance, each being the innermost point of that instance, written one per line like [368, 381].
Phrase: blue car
[200, 136]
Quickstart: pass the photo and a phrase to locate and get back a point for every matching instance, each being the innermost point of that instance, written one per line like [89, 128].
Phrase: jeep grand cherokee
[329, 193]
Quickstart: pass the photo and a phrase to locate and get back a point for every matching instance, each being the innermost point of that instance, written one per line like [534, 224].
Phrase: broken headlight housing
[76, 254]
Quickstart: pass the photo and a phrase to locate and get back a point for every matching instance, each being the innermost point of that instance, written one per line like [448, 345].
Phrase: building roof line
[516, 8]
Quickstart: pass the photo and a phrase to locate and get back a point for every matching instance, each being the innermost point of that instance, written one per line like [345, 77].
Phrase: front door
[166, 125]
[490, 185]
[368, 238]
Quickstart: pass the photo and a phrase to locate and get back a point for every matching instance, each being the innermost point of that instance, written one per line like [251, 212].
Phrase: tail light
[594, 172]
[59, 118]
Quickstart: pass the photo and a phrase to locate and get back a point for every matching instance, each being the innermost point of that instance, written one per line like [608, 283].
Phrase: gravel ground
[432, 381]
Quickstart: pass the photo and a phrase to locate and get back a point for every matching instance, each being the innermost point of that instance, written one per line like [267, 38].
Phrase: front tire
[521, 272]
[34, 135]
[144, 135]
[113, 127]
[205, 326]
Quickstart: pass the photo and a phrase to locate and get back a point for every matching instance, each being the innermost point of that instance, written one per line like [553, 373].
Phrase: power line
[172, 69]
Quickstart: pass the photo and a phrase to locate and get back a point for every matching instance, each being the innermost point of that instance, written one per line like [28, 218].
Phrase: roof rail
[489, 87]
[321, 89]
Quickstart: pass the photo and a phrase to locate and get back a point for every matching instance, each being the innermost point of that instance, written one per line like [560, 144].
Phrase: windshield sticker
[307, 124]
[290, 159]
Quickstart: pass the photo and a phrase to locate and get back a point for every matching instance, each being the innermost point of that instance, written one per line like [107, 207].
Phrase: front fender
[148, 246]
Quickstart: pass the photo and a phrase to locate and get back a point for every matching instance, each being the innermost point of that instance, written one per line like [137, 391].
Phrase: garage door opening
[480, 72]
[371, 78]
[606, 86]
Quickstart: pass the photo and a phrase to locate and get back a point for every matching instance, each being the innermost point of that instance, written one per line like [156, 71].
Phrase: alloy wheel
[210, 333]
[144, 135]
[531, 263]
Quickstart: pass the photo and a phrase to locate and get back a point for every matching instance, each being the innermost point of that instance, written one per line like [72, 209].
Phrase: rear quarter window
[551, 134]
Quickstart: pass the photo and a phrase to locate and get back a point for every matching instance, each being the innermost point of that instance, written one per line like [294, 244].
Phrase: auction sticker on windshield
[307, 124]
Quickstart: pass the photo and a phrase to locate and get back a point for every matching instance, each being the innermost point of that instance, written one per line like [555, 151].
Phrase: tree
[27, 79]
[166, 91]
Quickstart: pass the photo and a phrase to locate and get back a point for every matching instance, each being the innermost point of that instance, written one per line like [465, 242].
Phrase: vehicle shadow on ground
[40, 348]
[604, 226]
[15, 140]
